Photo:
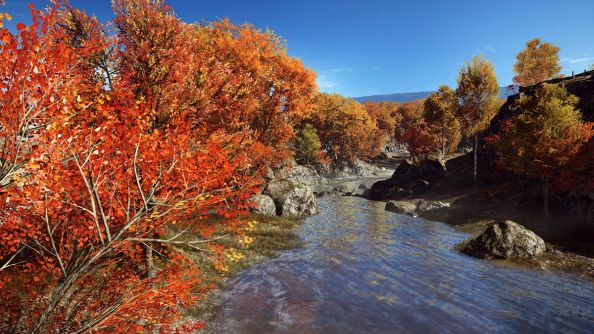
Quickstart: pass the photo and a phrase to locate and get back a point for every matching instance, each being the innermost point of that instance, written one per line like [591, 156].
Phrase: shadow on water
[365, 270]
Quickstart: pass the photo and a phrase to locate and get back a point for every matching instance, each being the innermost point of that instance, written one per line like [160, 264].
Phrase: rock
[504, 240]
[348, 189]
[425, 206]
[263, 205]
[405, 171]
[433, 169]
[361, 168]
[300, 174]
[292, 199]
[404, 181]
[402, 207]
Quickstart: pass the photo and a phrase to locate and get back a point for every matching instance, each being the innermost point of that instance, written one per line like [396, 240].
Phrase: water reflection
[365, 270]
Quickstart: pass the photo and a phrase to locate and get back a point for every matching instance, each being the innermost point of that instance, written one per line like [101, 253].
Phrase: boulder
[300, 174]
[404, 182]
[292, 199]
[504, 240]
[361, 168]
[402, 207]
[433, 169]
[263, 205]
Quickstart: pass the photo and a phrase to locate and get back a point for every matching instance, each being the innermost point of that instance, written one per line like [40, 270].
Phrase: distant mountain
[504, 92]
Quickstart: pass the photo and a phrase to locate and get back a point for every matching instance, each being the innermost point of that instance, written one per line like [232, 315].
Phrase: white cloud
[341, 69]
[579, 60]
[325, 83]
[490, 49]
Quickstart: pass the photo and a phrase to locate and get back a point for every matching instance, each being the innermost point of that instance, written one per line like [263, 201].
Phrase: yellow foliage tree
[477, 94]
[538, 62]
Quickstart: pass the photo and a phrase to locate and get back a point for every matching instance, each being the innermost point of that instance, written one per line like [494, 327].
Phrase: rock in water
[402, 207]
[291, 199]
[263, 205]
[505, 240]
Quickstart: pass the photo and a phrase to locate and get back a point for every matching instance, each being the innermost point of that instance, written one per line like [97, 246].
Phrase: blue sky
[381, 46]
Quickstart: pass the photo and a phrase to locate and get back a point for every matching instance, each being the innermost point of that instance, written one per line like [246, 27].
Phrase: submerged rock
[504, 240]
[402, 207]
[292, 199]
[263, 205]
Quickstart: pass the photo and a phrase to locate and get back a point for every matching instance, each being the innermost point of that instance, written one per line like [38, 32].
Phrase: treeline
[545, 140]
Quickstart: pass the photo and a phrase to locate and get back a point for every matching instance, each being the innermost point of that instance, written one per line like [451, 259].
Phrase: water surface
[365, 270]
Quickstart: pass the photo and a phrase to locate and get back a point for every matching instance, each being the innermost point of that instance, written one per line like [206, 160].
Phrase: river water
[365, 270]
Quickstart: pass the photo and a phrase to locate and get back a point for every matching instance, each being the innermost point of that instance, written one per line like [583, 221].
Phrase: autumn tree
[241, 78]
[544, 136]
[420, 141]
[37, 69]
[110, 139]
[538, 62]
[406, 115]
[384, 116]
[440, 114]
[477, 94]
[346, 130]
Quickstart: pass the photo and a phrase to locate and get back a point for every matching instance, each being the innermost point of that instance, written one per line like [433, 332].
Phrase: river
[365, 270]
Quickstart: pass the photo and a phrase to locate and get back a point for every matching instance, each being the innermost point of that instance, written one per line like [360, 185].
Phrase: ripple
[364, 270]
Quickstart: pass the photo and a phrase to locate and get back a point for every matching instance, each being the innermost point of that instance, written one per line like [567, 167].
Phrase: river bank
[470, 207]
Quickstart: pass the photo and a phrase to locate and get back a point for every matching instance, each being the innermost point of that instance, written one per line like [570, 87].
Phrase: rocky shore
[443, 192]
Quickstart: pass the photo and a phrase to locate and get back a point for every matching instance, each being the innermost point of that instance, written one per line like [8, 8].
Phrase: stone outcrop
[406, 180]
[505, 240]
[292, 199]
[263, 205]
[300, 175]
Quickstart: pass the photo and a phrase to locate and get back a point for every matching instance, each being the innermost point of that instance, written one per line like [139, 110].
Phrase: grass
[263, 239]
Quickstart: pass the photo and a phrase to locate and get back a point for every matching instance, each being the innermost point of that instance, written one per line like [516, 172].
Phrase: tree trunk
[474, 150]
[150, 267]
[545, 197]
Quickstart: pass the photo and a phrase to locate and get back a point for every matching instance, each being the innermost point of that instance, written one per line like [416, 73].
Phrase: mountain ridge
[504, 92]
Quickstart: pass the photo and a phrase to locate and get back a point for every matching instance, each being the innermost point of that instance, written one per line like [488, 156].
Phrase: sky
[360, 48]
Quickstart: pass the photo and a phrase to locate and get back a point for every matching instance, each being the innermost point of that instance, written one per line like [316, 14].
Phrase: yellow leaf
[8, 16]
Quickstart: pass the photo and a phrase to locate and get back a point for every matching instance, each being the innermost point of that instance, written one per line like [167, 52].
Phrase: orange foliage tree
[346, 130]
[440, 114]
[384, 116]
[109, 138]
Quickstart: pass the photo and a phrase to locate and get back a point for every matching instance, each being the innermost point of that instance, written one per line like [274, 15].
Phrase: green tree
[477, 94]
[308, 148]
[544, 136]
[440, 114]
[538, 62]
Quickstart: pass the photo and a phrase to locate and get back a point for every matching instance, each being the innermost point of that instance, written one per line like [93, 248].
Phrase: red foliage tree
[93, 171]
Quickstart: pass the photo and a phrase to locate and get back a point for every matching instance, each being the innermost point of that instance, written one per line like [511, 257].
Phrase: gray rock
[425, 206]
[263, 205]
[504, 240]
[292, 199]
[300, 174]
[402, 207]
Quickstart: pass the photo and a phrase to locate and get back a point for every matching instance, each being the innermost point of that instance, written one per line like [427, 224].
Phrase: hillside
[504, 92]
